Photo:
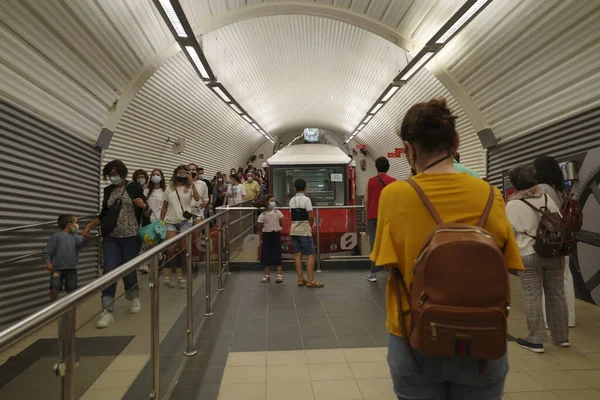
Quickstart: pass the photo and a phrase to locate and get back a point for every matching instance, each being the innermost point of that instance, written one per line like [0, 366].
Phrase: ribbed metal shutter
[45, 172]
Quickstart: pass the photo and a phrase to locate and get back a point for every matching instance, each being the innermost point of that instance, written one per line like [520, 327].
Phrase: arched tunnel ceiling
[519, 66]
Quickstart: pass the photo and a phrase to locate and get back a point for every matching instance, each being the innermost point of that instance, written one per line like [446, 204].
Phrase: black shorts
[65, 279]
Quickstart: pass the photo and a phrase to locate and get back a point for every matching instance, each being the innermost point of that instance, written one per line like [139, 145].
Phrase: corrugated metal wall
[45, 172]
[571, 136]
[174, 103]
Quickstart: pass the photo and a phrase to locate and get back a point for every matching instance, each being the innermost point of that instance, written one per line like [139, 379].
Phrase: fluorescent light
[390, 93]
[256, 126]
[173, 18]
[417, 66]
[247, 118]
[369, 117]
[192, 52]
[360, 127]
[221, 93]
[376, 108]
[461, 21]
[236, 108]
[272, 141]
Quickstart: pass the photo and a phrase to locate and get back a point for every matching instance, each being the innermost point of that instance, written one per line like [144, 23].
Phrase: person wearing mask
[461, 168]
[219, 191]
[252, 187]
[403, 224]
[209, 185]
[236, 193]
[177, 206]
[372, 193]
[154, 194]
[232, 172]
[199, 206]
[550, 180]
[123, 207]
[140, 176]
[539, 273]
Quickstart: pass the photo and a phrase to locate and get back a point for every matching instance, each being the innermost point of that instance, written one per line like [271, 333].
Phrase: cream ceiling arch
[314, 9]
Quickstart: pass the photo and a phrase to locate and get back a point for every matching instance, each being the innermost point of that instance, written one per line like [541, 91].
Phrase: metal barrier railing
[239, 219]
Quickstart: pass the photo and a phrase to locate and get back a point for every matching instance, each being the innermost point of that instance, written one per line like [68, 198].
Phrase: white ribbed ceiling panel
[414, 19]
[175, 103]
[68, 61]
[527, 64]
[382, 134]
[298, 71]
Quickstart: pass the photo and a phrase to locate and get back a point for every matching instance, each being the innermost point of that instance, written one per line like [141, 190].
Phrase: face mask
[193, 174]
[250, 179]
[181, 178]
[142, 181]
[272, 205]
[156, 178]
[201, 177]
[220, 180]
[115, 180]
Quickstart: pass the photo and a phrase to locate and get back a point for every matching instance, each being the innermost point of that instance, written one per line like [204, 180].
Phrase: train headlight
[285, 247]
[333, 247]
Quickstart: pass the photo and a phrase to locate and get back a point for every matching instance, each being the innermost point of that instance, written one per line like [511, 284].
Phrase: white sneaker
[106, 319]
[136, 306]
[144, 269]
[182, 283]
[173, 283]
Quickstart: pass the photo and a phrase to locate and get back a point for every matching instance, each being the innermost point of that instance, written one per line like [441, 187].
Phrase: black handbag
[109, 220]
[186, 214]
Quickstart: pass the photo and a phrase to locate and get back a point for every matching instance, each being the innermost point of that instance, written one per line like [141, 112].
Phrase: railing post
[318, 241]
[208, 311]
[190, 297]
[154, 327]
[220, 271]
[227, 254]
[68, 352]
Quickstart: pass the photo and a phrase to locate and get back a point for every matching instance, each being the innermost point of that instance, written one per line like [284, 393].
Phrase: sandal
[279, 278]
[314, 284]
[265, 279]
[301, 282]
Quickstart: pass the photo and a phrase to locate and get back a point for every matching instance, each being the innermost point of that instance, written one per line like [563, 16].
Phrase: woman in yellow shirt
[430, 138]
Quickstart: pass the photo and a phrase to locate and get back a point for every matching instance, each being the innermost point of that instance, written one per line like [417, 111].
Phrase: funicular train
[331, 181]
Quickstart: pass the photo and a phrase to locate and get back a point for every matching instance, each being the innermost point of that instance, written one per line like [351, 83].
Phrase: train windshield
[325, 185]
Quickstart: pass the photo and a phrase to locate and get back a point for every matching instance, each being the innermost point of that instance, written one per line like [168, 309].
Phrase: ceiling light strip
[467, 15]
[171, 15]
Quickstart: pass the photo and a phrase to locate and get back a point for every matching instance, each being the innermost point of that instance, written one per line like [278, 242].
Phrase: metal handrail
[16, 332]
[357, 207]
[39, 224]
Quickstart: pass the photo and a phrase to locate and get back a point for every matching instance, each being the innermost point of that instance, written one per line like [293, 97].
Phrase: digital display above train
[312, 135]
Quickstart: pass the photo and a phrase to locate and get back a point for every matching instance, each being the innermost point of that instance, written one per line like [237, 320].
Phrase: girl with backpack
[468, 279]
[525, 209]
[550, 180]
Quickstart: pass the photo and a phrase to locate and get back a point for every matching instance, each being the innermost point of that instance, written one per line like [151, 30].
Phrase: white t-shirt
[203, 191]
[270, 220]
[525, 221]
[301, 228]
[174, 212]
[235, 194]
[155, 201]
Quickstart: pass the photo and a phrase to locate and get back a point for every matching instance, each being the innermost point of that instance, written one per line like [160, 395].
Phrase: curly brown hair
[430, 125]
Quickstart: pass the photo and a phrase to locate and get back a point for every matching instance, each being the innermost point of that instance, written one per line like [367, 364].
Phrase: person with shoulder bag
[543, 244]
[550, 180]
[446, 311]
[123, 207]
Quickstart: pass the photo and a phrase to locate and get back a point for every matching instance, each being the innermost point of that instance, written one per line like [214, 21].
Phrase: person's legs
[371, 231]
[298, 257]
[468, 381]
[182, 270]
[70, 280]
[171, 252]
[429, 383]
[130, 248]
[112, 259]
[532, 282]
[556, 303]
[570, 293]
[56, 284]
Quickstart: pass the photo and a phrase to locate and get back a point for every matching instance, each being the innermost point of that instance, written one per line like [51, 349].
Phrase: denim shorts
[180, 227]
[303, 245]
[65, 279]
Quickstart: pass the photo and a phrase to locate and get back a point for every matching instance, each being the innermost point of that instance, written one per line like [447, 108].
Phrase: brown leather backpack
[572, 215]
[551, 238]
[460, 292]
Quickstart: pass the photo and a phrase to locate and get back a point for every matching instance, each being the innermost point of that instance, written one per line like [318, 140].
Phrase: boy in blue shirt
[61, 256]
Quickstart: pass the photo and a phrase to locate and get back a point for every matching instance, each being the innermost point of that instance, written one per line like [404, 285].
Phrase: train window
[326, 186]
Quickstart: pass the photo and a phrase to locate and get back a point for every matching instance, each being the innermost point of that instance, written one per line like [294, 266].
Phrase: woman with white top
[539, 273]
[236, 192]
[550, 179]
[270, 224]
[155, 193]
[175, 212]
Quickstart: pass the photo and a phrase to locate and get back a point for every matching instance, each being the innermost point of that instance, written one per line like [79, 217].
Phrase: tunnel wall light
[175, 18]
[465, 14]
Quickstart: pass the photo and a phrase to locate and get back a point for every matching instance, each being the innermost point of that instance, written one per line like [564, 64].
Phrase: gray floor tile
[206, 376]
[350, 330]
[321, 343]
[317, 331]
[196, 392]
[357, 341]
[281, 344]
[249, 345]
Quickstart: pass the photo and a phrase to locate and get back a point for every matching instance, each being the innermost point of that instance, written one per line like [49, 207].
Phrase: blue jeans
[371, 231]
[303, 245]
[444, 378]
[118, 251]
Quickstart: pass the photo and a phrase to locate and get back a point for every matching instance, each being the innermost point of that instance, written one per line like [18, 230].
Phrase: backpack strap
[381, 181]
[425, 201]
[405, 336]
[532, 206]
[488, 208]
